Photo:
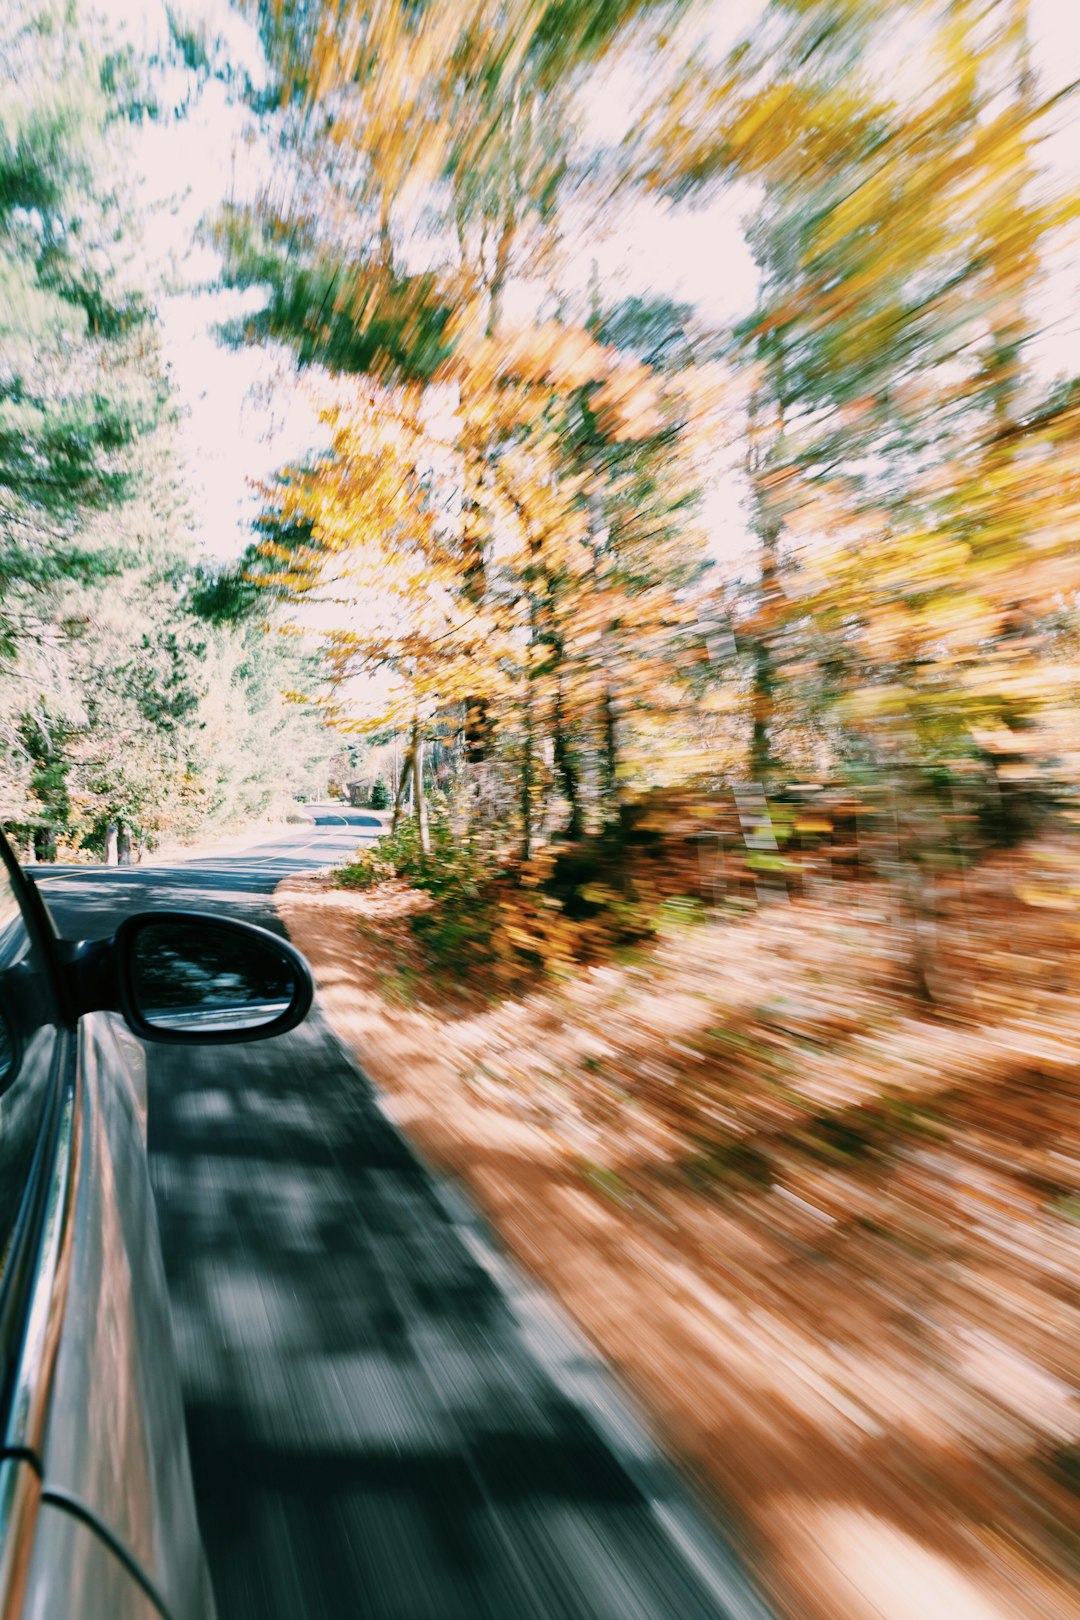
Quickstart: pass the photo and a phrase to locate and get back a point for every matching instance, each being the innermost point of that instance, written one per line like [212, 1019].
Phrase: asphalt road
[385, 1420]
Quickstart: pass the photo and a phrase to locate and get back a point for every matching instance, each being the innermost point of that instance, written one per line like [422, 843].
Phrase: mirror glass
[198, 979]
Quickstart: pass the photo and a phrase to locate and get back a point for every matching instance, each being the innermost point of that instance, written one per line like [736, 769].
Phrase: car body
[97, 1508]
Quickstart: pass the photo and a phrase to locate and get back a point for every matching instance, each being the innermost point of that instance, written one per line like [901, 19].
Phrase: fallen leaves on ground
[829, 1236]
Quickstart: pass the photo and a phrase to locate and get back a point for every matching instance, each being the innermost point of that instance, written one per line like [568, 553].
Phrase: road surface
[384, 1419]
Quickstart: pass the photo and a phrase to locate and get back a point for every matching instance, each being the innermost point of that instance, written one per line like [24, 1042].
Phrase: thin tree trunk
[386, 240]
[474, 587]
[599, 535]
[760, 462]
[611, 754]
[920, 833]
[527, 774]
[419, 802]
[1012, 262]
[474, 570]
[1012, 269]
[761, 711]
[566, 765]
[399, 791]
[501, 268]
[508, 224]
[922, 910]
[529, 747]
[526, 797]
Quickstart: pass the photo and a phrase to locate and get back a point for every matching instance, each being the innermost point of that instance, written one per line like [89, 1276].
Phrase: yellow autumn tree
[459, 500]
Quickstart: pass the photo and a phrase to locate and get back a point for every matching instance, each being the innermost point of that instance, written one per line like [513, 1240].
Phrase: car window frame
[42, 928]
[21, 1253]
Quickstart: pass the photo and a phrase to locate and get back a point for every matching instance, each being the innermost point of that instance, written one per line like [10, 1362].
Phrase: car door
[97, 1515]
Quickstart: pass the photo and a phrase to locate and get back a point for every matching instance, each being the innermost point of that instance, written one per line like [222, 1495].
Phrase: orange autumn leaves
[516, 531]
[387, 559]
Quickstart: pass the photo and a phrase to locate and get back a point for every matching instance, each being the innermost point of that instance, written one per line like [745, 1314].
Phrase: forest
[128, 712]
[502, 552]
[502, 544]
[724, 933]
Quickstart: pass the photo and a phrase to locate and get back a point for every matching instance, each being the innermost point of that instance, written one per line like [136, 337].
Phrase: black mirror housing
[151, 949]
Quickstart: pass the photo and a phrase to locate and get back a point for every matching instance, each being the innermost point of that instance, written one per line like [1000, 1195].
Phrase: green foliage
[379, 797]
[658, 331]
[73, 396]
[136, 694]
[456, 930]
[513, 921]
[190, 44]
[451, 867]
[225, 596]
[392, 326]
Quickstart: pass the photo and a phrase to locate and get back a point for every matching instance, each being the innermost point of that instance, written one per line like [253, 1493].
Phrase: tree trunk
[921, 905]
[508, 226]
[474, 570]
[599, 538]
[123, 846]
[1013, 259]
[761, 710]
[919, 837]
[761, 469]
[419, 802]
[610, 726]
[566, 766]
[474, 589]
[528, 752]
[386, 240]
[399, 792]
[111, 856]
[527, 788]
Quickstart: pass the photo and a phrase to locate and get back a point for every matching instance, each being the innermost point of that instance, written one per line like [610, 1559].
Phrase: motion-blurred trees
[496, 523]
[915, 526]
[903, 466]
[122, 716]
[502, 548]
[79, 388]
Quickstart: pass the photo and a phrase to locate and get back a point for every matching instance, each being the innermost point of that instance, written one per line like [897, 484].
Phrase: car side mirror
[191, 977]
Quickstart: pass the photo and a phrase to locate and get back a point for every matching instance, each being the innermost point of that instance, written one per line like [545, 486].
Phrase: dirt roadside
[872, 1464]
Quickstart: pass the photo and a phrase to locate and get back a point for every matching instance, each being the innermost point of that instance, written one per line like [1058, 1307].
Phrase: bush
[504, 923]
[456, 930]
[379, 798]
[451, 868]
[374, 863]
[571, 904]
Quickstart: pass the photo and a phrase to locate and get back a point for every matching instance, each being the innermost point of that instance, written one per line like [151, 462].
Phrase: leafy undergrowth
[490, 928]
[831, 1236]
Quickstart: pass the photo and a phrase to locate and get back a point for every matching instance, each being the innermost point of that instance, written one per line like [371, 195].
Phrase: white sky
[240, 423]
